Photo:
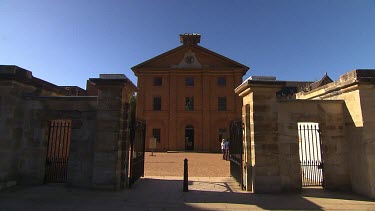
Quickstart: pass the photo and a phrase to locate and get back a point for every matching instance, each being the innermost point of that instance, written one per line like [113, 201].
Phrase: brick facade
[188, 82]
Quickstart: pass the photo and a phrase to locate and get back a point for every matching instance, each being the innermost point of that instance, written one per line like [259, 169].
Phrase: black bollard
[186, 180]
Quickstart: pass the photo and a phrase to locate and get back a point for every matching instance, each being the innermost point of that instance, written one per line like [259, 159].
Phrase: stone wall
[110, 168]
[99, 139]
[329, 115]
[344, 110]
[272, 156]
[16, 86]
[356, 88]
[367, 144]
[261, 150]
[82, 112]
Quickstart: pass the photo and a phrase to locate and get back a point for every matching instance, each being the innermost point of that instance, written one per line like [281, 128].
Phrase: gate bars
[236, 148]
[310, 154]
[137, 152]
[58, 151]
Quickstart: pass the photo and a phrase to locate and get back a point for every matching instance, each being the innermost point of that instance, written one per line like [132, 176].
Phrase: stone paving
[165, 193]
[172, 164]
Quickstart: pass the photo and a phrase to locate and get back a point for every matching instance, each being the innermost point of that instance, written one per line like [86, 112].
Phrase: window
[189, 81]
[158, 81]
[221, 81]
[157, 103]
[189, 103]
[222, 134]
[156, 134]
[222, 103]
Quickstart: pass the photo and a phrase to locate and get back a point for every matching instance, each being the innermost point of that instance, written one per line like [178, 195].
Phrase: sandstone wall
[25, 127]
[99, 139]
[329, 115]
[82, 112]
[17, 85]
[365, 176]
[356, 88]
[271, 145]
[111, 147]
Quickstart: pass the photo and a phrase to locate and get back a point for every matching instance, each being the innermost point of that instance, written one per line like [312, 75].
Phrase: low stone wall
[345, 112]
[99, 139]
[356, 88]
[334, 145]
[82, 112]
[16, 86]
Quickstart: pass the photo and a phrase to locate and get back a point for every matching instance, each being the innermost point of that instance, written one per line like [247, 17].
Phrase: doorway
[310, 154]
[56, 169]
[189, 138]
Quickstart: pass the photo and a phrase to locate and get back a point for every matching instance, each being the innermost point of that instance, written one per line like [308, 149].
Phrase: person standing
[227, 150]
[223, 148]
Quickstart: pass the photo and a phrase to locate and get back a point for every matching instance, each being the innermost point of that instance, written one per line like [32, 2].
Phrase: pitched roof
[186, 47]
[325, 80]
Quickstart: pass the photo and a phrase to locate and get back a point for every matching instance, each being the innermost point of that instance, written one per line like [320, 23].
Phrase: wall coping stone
[15, 73]
[310, 101]
[259, 83]
[351, 78]
[114, 82]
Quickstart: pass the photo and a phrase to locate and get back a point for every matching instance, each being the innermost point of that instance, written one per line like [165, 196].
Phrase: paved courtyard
[164, 192]
[172, 164]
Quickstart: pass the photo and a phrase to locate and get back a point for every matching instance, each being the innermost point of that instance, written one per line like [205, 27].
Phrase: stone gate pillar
[111, 146]
[263, 165]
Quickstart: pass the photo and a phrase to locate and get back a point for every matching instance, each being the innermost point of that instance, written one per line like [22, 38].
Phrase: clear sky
[68, 41]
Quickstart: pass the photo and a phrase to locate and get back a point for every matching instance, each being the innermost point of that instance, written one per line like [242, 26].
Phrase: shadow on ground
[223, 193]
[166, 194]
[217, 195]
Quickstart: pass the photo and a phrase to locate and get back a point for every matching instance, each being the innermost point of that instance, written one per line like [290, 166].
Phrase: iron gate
[236, 148]
[310, 154]
[137, 152]
[57, 151]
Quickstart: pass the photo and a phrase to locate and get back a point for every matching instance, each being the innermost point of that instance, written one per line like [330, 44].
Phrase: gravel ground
[172, 164]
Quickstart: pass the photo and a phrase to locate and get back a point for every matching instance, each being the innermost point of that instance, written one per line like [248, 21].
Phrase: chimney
[190, 38]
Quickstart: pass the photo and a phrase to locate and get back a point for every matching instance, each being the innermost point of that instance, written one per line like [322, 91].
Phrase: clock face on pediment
[189, 61]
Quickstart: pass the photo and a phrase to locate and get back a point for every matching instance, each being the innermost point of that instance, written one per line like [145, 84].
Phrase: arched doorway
[189, 137]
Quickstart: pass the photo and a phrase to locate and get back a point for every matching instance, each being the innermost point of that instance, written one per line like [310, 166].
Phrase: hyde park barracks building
[186, 97]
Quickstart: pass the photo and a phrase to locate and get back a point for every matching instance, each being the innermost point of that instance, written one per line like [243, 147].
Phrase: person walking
[226, 150]
[223, 148]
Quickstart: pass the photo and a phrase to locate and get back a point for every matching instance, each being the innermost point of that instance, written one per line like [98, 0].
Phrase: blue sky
[68, 41]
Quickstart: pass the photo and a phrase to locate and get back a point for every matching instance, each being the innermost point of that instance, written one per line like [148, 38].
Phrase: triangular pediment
[190, 57]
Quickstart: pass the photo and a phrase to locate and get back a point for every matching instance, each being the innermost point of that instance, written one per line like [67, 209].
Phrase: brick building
[186, 96]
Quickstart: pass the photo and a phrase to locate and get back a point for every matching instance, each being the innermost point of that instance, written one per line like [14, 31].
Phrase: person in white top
[223, 148]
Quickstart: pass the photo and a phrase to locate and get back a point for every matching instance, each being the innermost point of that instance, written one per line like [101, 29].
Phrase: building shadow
[167, 194]
[206, 193]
